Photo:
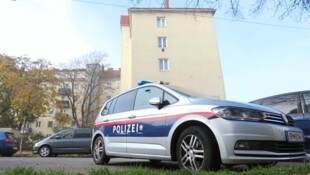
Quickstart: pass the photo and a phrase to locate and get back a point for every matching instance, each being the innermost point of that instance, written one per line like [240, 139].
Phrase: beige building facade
[174, 45]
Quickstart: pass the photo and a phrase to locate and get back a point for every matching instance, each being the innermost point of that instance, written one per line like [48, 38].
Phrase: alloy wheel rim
[192, 152]
[44, 151]
[98, 150]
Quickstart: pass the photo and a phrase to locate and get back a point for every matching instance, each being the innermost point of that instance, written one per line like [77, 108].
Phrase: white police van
[159, 122]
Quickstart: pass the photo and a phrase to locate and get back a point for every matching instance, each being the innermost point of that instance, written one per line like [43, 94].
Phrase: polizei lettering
[127, 128]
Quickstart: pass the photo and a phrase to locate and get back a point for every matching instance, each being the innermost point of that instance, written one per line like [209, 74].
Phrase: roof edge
[211, 10]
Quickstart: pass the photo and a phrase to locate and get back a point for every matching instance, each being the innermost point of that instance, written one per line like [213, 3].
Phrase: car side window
[124, 102]
[144, 95]
[169, 98]
[67, 134]
[105, 110]
[287, 104]
[306, 97]
[83, 133]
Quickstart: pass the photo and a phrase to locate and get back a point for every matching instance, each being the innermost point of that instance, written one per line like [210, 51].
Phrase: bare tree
[83, 72]
[280, 8]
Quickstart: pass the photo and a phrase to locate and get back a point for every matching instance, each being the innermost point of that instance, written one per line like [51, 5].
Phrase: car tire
[98, 152]
[7, 155]
[45, 151]
[197, 150]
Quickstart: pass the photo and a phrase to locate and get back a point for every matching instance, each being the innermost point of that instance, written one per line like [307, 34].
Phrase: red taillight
[7, 140]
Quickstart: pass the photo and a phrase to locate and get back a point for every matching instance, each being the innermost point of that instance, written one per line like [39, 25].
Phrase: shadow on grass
[166, 165]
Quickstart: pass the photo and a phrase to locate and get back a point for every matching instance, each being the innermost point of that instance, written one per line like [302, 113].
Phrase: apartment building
[174, 45]
[107, 85]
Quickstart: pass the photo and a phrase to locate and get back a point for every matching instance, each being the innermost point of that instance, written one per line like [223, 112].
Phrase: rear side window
[287, 104]
[306, 97]
[83, 133]
[10, 135]
[105, 110]
[125, 102]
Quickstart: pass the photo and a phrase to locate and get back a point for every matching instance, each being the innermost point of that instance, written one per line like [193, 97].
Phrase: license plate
[15, 148]
[292, 136]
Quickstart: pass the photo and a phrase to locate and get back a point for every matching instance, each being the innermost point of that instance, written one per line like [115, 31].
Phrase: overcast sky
[260, 55]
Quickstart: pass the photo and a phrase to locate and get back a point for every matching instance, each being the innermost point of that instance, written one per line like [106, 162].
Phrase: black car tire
[7, 155]
[45, 151]
[98, 152]
[197, 150]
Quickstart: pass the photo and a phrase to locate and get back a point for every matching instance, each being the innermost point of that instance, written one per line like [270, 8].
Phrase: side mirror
[155, 101]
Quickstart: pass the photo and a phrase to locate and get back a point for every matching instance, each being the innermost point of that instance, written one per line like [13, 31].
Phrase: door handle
[106, 120]
[132, 117]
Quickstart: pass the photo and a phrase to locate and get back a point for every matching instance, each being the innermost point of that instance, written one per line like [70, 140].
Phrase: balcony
[26, 130]
[63, 91]
[65, 103]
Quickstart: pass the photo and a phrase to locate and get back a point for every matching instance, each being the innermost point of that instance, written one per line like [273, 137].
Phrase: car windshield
[185, 92]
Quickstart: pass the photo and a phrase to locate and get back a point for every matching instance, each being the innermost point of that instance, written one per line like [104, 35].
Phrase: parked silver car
[70, 141]
[158, 122]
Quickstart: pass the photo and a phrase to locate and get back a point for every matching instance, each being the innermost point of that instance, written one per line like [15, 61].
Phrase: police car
[159, 122]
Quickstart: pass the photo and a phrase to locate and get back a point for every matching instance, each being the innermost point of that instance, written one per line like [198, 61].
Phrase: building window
[161, 21]
[50, 124]
[38, 124]
[162, 42]
[76, 86]
[163, 64]
[109, 85]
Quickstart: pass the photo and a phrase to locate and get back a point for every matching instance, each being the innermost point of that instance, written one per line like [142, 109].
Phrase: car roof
[288, 93]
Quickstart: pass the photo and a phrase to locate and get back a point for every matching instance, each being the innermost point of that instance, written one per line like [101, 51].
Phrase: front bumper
[35, 150]
[264, 142]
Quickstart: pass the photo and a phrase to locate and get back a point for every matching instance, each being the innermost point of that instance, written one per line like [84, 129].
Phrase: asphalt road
[85, 164]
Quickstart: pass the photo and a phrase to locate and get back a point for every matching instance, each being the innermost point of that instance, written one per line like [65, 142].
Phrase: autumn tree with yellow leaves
[25, 94]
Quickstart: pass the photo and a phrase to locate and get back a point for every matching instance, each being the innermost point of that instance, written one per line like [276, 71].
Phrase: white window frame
[109, 85]
[38, 124]
[48, 124]
[163, 64]
[162, 42]
[161, 21]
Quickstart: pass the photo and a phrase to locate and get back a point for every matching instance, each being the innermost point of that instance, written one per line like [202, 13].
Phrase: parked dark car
[296, 105]
[8, 144]
[70, 141]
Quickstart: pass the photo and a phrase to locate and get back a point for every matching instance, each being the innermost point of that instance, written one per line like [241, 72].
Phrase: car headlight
[234, 113]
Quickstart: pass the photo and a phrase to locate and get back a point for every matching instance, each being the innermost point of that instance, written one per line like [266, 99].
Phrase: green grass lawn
[288, 170]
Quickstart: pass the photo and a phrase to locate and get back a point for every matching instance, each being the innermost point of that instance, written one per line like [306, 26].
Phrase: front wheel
[45, 151]
[98, 152]
[197, 150]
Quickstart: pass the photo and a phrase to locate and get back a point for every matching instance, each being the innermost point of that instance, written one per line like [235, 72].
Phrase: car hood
[216, 102]
[42, 141]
